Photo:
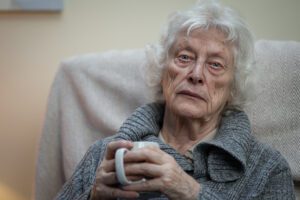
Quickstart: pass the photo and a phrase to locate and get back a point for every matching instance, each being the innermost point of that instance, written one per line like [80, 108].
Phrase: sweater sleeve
[78, 187]
[280, 184]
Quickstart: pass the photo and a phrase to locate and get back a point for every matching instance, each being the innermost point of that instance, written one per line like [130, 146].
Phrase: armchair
[93, 94]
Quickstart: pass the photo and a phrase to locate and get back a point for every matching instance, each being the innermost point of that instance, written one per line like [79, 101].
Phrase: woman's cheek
[169, 82]
[219, 92]
[177, 73]
[170, 75]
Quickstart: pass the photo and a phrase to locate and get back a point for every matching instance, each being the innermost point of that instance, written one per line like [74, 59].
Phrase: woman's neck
[183, 133]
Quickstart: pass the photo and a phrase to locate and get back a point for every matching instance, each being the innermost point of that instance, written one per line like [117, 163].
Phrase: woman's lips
[190, 94]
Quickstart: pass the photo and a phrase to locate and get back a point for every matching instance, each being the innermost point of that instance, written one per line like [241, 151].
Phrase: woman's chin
[190, 111]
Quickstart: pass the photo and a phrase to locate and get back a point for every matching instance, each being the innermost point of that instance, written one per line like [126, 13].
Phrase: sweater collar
[225, 155]
[228, 152]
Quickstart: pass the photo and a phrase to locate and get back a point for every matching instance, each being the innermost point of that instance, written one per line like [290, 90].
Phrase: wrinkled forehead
[184, 36]
[212, 38]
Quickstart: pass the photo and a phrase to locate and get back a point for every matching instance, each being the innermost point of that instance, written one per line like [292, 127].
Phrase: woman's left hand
[165, 174]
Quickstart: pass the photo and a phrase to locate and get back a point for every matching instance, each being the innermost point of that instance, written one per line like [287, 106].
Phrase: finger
[145, 186]
[134, 177]
[107, 166]
[151, 155]
[108, 178]
[144, 170]
[114, 145]
[106, 172]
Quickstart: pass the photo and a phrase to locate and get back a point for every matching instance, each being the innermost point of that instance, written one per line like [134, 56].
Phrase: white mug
[119, 161]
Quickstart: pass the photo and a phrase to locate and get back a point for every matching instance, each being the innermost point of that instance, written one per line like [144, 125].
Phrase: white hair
[204, 15]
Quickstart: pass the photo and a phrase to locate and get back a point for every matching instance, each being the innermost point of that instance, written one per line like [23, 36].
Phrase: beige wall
[32, 45]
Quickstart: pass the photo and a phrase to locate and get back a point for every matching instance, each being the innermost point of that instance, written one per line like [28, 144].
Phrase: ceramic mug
[119, 161]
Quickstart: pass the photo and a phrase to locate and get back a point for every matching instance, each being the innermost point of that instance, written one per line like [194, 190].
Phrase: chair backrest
[275, 113]
[93, 94]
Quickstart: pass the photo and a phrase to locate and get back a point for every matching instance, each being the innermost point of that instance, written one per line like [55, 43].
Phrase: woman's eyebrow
[183, 47]
[219, 54]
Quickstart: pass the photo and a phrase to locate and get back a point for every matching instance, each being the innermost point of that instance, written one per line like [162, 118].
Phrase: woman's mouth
[190, 94]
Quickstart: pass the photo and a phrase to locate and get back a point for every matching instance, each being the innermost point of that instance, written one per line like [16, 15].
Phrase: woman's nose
[196, 74]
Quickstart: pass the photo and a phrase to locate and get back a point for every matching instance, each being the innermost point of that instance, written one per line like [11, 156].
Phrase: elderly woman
[201, 74]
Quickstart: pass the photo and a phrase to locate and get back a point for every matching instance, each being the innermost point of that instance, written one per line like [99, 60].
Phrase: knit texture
[232, 166]
[275, 113]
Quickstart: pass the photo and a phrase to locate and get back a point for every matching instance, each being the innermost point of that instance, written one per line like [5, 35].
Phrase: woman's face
[199, 74]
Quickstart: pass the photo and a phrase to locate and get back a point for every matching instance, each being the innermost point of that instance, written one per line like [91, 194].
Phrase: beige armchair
[93, 94]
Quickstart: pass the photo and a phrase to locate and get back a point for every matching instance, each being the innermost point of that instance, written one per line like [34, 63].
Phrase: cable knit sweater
[234, 165]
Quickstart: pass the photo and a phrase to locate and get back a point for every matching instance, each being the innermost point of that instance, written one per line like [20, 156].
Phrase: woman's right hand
[106, 184]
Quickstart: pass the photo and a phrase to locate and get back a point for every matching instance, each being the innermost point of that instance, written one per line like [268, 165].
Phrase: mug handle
[120, 171]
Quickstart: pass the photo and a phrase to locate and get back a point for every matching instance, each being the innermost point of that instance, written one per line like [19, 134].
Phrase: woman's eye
[215, 65]
[216, 68]
[184, 58]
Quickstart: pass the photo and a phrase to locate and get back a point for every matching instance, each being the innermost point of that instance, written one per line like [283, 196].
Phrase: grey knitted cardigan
[234, 165]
